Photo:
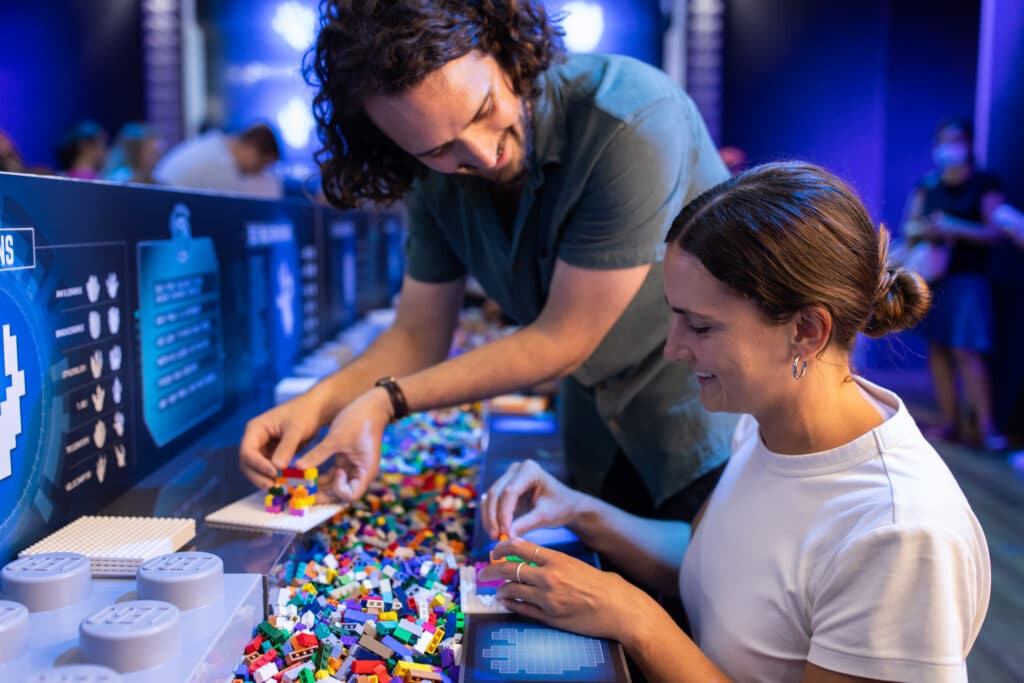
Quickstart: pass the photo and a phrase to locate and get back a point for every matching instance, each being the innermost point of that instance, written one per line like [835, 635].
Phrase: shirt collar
[548, 122]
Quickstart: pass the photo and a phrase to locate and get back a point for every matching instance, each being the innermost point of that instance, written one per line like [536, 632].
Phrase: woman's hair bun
[901, 302]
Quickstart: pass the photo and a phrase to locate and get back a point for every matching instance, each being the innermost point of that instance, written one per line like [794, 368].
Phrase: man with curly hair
[553, 181]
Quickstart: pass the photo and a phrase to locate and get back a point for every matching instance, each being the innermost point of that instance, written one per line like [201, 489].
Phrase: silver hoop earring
[799, 368]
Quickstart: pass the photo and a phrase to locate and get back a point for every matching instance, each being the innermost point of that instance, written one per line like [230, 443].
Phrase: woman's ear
[812, 330]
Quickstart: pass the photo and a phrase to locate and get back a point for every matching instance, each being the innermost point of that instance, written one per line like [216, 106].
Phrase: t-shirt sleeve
[899, 604]
[429, 256]
[638, 186]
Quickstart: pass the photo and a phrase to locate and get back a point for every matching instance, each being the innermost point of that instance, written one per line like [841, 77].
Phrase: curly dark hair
[385, 47]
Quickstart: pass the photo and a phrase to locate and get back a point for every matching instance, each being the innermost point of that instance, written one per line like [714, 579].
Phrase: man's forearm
[969, 231]
[394, 352]
[520, 360]
[649, 552]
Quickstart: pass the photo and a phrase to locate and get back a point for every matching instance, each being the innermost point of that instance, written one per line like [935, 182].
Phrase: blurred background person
[82, 151]
[952, 209]
[734, 158]
[134, 155]
[10, 160]
[226, 163]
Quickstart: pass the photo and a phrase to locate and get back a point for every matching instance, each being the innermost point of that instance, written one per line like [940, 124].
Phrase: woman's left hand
[564, 592]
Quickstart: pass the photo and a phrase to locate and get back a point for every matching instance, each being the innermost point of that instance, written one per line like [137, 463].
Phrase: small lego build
[294, 490]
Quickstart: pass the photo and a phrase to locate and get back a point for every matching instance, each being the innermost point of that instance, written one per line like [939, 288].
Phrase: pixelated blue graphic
[23, 456]
[529, 652]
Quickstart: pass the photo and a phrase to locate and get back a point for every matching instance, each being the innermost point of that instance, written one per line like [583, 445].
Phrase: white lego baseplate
[250, 513]
[471, 601]
[116, 546]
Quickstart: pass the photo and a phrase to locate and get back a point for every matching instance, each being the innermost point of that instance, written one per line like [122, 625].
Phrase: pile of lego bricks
[374, 596]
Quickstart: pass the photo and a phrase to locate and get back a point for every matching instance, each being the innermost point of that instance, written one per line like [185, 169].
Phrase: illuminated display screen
[133, 321]
[506, 647]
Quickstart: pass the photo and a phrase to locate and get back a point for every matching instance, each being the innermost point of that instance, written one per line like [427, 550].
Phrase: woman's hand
[551, 503]
[565, 592]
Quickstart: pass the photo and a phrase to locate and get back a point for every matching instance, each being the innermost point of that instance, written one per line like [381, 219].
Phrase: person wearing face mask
[954, 206]
[552, 180]
[837, 546]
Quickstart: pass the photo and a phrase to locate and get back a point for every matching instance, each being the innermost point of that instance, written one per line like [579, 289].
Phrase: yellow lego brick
[403, 667]
[435, 641]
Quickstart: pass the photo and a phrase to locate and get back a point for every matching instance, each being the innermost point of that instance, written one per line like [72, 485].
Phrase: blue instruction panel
[181, 334]
[135, 321]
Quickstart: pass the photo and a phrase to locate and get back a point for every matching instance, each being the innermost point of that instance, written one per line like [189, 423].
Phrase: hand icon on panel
[98, 397]
[99, 434]
[92, 288]
[95, 325]
[115, 357]
[114, 319]
[112, 285]
[96, 364]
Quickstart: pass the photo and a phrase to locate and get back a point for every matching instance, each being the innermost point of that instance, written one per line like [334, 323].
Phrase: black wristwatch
[399, 406]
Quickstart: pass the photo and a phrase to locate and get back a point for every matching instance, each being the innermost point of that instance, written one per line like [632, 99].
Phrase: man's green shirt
[618, 150]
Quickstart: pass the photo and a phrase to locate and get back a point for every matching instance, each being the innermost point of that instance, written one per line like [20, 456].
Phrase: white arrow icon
[10, 406]
[120, 454]
[116, 390]
[96, 364]
[119, 423]
[101, 468]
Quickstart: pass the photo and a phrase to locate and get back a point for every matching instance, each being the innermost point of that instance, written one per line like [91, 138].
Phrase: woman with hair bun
[837, 545]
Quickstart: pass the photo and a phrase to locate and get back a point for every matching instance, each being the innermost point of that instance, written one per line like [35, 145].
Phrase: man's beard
[514, 177]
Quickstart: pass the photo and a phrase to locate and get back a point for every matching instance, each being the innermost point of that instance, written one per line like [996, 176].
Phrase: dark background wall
[1006, 96]
[931, 74]
[855, 85]
[1003, 99]
[61, 62]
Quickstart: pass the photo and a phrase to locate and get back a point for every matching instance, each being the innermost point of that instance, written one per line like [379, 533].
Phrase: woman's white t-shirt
[865, 559]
